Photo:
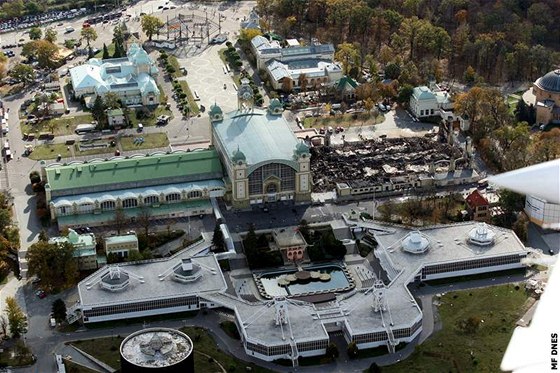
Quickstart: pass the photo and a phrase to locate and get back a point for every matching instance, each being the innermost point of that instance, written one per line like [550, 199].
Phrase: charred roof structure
[389, 166]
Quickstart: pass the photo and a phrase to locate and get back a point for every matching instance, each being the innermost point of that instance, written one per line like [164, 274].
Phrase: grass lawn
[150, 121]
[151, 140]
[108, 150]
[190, 98]
[64, 125]
[173, 62]
[345, 120]
[49, 151]
[110, 48]
[492, 311]
[107, 350]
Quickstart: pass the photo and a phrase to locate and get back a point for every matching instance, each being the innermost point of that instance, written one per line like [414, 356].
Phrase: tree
[5, 219]
[348, 55]
[218, 239]
[88, 34]
[143, 219]
[392, 71]
[287, 84]
[43, 50]
[332, 351]
[13, 9]
[118, 41]
[4, 325]
[23, 73]
[53, 263]
[302, 81]
[106, 55]
[352, 350]
[16, 317]
[59, 310]
[50, 34]
[112, 100]
[247, 35]
[404, 94]
[35, 33]
[43, 236]
[98, 111]
[150, 25]
[120, 220]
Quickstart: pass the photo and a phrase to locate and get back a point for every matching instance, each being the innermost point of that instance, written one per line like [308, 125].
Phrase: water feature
[273, 282]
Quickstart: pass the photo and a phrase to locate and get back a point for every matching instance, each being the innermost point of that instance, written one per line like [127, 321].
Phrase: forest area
[467, 40]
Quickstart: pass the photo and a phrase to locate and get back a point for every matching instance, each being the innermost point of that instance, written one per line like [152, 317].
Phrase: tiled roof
[475, 199]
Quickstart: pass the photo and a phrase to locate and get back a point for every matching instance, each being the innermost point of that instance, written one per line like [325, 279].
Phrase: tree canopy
[151, 25]
[16, 317]
[23, 73]
[53, 263]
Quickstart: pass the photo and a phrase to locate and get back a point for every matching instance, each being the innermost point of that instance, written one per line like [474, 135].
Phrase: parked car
[41, 294]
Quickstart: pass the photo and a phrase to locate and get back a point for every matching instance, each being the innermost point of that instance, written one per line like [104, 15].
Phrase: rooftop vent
[481, 235]
[186, 264]
[415, 243]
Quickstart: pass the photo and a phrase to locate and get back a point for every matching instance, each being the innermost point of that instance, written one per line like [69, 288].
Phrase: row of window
[382, 336]
[427, 112]
[127, 203]
[269, 350]
[141, 306]
[312, 345]
[471, 264]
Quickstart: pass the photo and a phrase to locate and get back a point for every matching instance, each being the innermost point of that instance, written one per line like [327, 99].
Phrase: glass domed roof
[550, 81]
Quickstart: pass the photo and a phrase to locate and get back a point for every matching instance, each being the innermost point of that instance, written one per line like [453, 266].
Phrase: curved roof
[215, 109]
[302, 148]
[262, 138]
[238, 156]
[550, 82]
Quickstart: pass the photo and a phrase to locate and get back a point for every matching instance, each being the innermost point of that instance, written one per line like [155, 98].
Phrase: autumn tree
[348, 55]
[23, 73]
[53, 263]
[150, 25]
[88, 34]
[16, 317]
[43, 50]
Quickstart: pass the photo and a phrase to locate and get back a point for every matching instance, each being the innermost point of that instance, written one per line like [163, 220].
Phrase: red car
[41, 294]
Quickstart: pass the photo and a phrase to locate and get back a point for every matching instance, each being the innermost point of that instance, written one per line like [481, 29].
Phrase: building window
[63, 210]
[107, 205]
[151, 200]
[194, 194]
[286, 174]
[85, 208]
[129, 203]
[173, 197]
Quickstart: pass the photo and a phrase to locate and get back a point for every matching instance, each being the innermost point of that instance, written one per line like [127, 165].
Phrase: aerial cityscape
[279, 186]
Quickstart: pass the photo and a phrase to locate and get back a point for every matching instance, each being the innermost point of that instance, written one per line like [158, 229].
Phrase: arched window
[129, 203]
[85, 208]
[107, 205]
[194, 194]
[63, 210]
[151, 200]
[173, 197]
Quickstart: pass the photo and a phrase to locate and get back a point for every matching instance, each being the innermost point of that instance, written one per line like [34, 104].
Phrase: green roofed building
[169, 185]
[263, 159]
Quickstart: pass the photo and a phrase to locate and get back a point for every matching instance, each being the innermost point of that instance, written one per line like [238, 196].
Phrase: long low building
[379, 311]
[166, 184]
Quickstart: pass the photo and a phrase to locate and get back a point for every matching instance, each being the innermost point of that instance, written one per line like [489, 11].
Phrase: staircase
[295, 353]
[73, 313]
[391, 342]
